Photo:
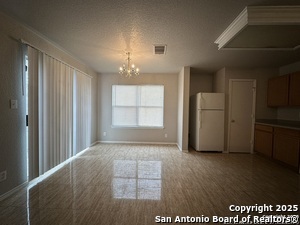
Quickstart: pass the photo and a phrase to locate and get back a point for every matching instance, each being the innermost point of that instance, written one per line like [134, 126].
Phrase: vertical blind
[59, 112]
[137, 105]
[81, 112]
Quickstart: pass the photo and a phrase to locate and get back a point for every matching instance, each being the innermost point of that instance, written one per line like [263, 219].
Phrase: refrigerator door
[211, 130]
[211, 100]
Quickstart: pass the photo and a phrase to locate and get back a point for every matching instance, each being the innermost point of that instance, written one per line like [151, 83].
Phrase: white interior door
[241, 115]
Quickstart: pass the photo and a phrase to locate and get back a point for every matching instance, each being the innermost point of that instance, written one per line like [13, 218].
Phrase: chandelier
[127, 69]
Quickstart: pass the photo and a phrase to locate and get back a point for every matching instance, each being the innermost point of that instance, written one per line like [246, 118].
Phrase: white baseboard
[54, 169]
[182, 150]
[12, 191]
[96, 142]
[41, 177]
[137, 142]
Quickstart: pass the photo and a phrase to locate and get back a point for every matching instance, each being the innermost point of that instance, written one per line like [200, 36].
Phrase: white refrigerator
[207, 121]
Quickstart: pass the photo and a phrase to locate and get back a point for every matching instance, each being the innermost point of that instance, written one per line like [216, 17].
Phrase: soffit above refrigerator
[263, 28]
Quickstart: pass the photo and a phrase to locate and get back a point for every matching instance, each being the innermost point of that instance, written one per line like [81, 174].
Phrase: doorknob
[232, 121]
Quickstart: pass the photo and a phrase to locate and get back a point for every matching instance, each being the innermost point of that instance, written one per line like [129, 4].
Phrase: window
[137, 106]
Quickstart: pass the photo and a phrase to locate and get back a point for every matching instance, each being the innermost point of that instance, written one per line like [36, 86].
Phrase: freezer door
[211, 100]
[211, 130]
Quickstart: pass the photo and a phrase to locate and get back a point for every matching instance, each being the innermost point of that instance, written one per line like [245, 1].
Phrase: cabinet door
[263, 142]
[286, 148]
[294, 95]
[278, 91]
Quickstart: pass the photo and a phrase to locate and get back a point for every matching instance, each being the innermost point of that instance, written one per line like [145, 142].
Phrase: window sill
[137, 127]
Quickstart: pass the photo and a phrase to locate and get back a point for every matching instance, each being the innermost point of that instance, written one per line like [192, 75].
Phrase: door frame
[252, 114]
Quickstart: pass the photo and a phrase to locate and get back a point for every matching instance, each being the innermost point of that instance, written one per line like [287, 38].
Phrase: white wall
[170, 82]
[201, 83]
[219, 81]
[183, 108]
[290, 68]
[94, 102]
[289, 114]
[12, 122]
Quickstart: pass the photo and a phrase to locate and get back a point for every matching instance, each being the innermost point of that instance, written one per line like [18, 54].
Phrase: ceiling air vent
[159, 49]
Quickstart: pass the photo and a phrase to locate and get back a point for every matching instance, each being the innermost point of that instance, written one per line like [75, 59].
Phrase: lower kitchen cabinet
[286, 146]
[281, 144]
[263, 142]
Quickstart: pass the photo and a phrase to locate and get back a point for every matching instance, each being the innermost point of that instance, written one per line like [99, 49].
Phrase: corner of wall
[11, 57]
[183, 107]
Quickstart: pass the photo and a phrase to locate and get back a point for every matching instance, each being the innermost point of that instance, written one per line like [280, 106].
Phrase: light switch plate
[13, 104]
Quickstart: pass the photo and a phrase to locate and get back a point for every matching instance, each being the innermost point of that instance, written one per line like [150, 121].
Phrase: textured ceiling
[99, 32]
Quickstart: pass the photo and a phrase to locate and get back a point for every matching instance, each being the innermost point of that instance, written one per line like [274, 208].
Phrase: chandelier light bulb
[128, 69]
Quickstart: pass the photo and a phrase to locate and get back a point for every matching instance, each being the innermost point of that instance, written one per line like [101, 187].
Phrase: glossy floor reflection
[137, 179]
[131, 184]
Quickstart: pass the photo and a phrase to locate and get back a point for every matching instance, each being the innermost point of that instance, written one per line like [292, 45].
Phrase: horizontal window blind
[138, 106]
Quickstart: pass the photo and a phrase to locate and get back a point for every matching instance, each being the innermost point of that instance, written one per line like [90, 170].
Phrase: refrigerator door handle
[201, 99]
[200, 118]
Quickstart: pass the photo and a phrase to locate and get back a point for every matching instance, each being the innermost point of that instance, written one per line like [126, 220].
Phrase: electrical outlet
[166, 135]
[104, 133]
[3, 176]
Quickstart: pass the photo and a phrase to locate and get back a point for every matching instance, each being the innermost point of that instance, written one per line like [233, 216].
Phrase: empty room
[146, 112]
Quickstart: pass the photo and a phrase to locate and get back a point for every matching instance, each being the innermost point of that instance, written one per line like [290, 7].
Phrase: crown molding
[233, 29]
[273, 15]
[260, 15]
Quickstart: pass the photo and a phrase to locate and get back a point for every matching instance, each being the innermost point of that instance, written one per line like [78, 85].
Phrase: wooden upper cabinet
[278, 91]
[294, 94]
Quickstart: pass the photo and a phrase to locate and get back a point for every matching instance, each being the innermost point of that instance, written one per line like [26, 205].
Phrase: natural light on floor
[137, 179]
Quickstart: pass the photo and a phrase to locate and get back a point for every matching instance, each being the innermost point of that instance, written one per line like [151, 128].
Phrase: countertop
[280, 123]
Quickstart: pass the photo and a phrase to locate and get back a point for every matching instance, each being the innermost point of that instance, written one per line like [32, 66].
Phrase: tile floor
[132, 184]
